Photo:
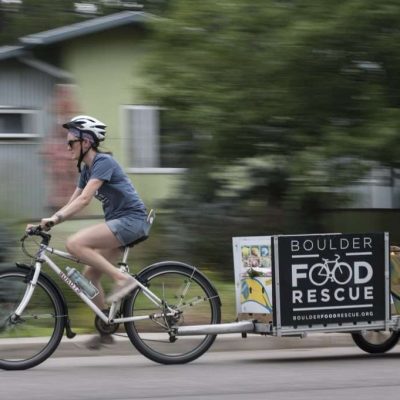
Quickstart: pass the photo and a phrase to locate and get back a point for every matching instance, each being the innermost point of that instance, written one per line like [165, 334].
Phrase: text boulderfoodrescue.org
[345, 315]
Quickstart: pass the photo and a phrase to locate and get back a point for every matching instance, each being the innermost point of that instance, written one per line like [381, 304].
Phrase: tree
[285, 101]
[33, 16]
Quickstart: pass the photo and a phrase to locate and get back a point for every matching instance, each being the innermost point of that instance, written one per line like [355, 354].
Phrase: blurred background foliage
[285, 102]
[31, 16]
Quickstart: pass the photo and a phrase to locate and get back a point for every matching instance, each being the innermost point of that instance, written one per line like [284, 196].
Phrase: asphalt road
[295, 374]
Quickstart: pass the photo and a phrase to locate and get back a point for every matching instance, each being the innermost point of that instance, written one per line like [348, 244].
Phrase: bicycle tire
[375, 342]
[325, 276]
[35, 336]
[196, 299]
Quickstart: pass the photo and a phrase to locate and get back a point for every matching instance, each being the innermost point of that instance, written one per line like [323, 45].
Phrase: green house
[95, 68]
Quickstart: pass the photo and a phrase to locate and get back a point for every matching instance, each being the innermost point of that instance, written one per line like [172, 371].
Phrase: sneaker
[99, 341]
[122, 289]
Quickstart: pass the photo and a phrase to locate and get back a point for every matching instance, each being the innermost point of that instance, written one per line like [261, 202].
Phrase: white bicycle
[170, 294]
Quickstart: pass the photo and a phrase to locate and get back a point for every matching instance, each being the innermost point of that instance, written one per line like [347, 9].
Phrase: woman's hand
[47, 223]
[29, 226]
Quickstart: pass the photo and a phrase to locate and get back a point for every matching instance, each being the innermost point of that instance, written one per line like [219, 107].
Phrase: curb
[76, 347]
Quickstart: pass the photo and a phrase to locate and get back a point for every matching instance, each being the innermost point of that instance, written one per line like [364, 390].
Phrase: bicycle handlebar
[37, 230]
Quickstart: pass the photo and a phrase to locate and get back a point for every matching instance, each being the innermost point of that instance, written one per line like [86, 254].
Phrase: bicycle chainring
[104, 328]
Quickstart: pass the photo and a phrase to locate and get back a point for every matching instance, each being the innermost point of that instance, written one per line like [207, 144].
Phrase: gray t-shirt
[117, 194]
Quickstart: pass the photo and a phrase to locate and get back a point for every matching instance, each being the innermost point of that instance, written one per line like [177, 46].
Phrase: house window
[18, 124]
[153, 145]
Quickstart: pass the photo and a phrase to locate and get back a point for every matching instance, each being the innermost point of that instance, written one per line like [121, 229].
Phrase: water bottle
[88, 288]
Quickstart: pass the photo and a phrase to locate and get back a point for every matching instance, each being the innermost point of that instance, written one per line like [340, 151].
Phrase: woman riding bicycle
[99, 246]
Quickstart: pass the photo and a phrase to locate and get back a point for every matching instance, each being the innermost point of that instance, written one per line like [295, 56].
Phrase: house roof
[84, 28]
[65, 33]
[10, 51]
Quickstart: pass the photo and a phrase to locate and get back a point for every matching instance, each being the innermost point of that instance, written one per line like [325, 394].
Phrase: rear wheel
[376, 341]
[195, 301]
[30, 339]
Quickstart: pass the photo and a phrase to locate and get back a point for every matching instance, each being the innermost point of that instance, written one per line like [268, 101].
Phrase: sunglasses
[70, 143]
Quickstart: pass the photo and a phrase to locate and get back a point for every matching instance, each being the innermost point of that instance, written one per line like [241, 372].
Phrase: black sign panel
[325, 279]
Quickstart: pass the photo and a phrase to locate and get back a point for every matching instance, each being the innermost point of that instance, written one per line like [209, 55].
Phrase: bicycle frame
[41, 257]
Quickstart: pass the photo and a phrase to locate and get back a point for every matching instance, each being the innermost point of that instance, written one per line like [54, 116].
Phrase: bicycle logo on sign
[340, 272]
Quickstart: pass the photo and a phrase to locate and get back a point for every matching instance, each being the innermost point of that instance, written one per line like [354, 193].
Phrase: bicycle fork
[30, 288]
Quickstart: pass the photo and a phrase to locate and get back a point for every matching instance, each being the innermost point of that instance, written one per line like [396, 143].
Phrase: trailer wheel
[376, 341]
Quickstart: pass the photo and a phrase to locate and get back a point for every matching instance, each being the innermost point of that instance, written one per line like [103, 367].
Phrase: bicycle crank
[103, 327]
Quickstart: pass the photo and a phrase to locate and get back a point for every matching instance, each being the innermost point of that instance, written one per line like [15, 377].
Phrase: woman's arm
[76, 193]
[79, 200]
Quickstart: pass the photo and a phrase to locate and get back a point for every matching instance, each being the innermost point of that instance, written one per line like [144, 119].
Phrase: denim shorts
[127, 229]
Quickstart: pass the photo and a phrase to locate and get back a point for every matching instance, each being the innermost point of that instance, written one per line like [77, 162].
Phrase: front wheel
[30, 339]
[183, 289]
[376, 341]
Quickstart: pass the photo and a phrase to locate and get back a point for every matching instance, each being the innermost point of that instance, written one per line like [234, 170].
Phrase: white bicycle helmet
[87, 124]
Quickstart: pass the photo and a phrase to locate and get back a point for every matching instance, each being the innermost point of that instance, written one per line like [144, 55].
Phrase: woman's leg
[94, 275]
[85, 244]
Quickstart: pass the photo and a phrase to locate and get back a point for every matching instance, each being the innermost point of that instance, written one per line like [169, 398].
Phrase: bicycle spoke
[195, 301]
[186, 287]
[39, 316]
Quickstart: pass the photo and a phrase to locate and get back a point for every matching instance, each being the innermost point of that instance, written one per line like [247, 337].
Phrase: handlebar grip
[33, 230]
[48, 225]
